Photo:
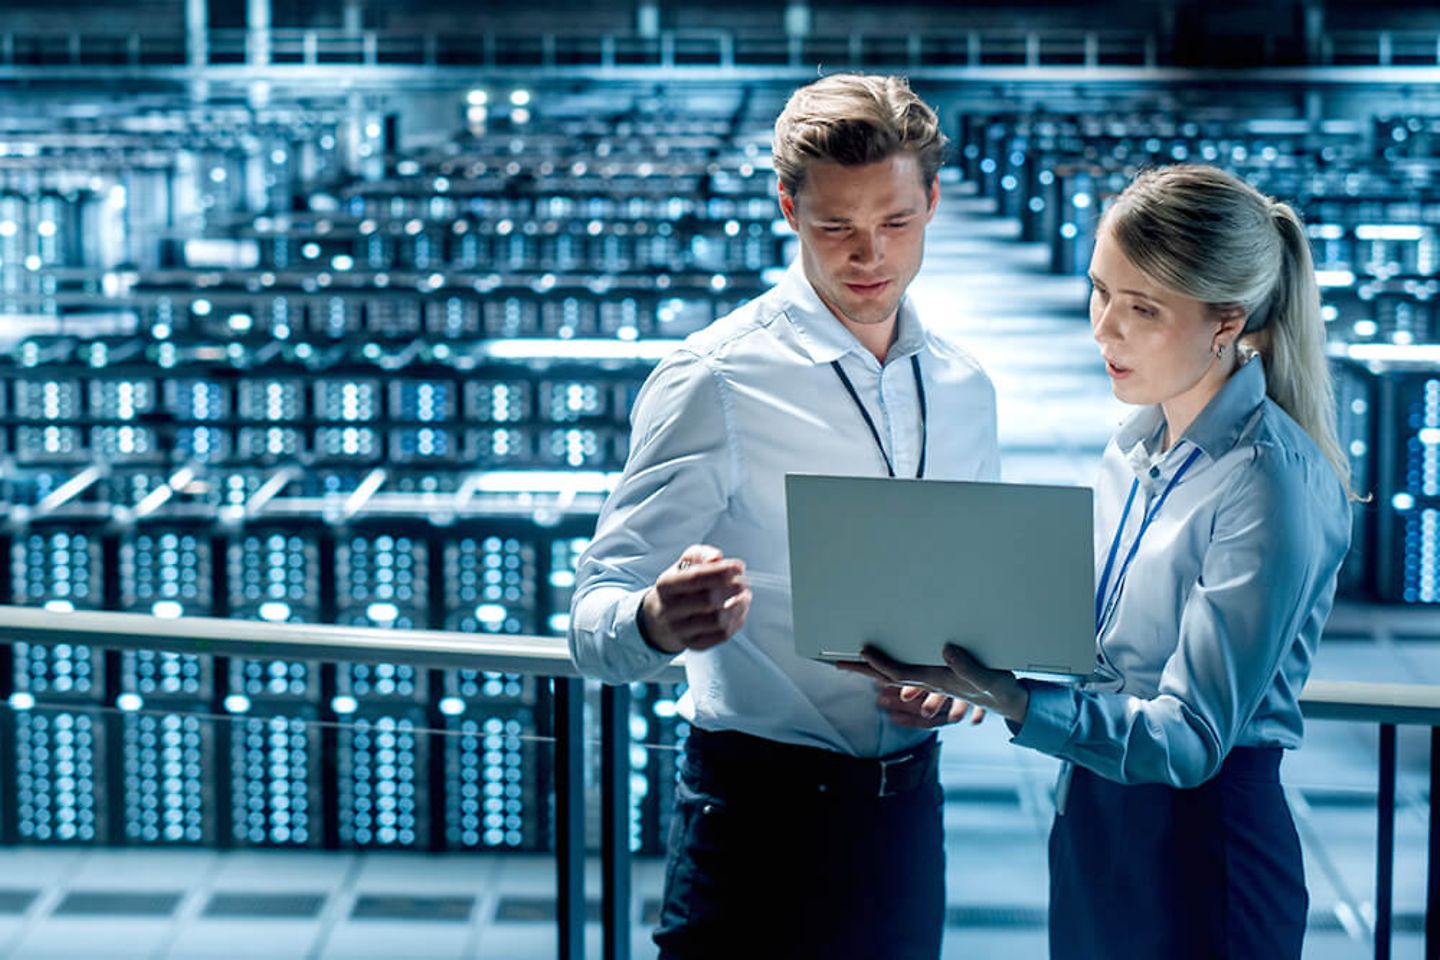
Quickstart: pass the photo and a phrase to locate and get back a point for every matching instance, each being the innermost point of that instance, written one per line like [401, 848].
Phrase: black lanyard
[924, 415]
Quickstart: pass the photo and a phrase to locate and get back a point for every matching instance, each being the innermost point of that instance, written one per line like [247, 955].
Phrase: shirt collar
[1215, 431]
[824, 337]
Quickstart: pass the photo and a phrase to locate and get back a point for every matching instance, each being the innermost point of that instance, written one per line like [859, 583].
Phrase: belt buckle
[885, 766]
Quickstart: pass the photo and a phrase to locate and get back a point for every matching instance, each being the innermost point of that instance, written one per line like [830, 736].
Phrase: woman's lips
[1115, 371]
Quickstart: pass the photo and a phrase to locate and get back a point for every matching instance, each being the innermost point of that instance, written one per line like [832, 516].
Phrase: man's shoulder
[745, 328]
[946, 349]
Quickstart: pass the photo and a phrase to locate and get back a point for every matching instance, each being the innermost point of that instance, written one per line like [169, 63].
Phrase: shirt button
[1154, 472]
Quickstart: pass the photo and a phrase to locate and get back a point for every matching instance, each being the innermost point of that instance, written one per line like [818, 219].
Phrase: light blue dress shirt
[715, 429]
[1217, 625]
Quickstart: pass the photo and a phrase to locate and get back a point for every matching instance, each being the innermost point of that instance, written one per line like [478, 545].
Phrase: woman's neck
[1182, 409]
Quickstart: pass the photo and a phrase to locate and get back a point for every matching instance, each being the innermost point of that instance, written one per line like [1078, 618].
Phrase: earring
[1219, 351]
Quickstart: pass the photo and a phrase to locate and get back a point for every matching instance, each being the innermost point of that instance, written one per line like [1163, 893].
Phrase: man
[807, 818]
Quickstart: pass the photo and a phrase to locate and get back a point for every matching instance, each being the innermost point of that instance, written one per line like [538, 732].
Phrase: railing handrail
[1396, 703]
[501, 653]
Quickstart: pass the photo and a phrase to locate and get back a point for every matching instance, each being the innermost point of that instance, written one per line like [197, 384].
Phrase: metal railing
[1388, 705]
[556, 51]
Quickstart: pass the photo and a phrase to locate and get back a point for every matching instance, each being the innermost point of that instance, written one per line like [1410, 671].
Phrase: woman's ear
[1232, 318]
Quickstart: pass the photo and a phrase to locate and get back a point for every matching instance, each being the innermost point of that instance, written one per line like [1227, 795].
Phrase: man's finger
[700, 553]
[700, 579]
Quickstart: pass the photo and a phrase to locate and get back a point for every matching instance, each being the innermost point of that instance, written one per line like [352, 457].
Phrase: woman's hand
[962, 677]
[922, 710]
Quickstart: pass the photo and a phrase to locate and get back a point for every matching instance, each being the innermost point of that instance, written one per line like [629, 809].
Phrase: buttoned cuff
[644, 659]
[1049, 719]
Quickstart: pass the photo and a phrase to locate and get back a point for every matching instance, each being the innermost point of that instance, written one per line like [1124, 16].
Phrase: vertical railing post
[1385, 843]
[615, 820]
[1432, 878]
[570, 816]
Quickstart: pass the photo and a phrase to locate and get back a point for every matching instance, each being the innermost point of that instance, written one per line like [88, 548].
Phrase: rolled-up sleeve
[1269, 565]
[676, 484]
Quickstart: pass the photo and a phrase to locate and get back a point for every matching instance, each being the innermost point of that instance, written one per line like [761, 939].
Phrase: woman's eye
[1145, 311]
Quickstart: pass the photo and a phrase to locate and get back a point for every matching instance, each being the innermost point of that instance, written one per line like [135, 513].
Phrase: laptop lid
[1005, 570]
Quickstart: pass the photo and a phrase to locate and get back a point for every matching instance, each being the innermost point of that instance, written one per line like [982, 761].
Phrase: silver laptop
[1005, 570]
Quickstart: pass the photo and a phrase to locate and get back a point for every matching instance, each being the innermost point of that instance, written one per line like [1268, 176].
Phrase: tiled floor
[1029, 330]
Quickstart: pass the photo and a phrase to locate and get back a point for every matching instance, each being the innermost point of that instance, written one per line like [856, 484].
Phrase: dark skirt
[1210, 873]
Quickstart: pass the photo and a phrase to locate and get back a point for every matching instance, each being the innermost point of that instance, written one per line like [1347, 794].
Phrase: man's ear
[934, 197]
[787, 207]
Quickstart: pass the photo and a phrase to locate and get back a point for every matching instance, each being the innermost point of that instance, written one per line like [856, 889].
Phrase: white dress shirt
[1217, 622]
[715, 429]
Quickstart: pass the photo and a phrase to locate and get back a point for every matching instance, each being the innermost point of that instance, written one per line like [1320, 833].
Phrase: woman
[1221, 520]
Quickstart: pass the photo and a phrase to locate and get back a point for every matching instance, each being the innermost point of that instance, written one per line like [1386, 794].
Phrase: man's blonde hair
[853, 119]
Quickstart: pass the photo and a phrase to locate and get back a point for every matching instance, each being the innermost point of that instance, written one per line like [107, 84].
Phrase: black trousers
[786, 851]
[1210, 873]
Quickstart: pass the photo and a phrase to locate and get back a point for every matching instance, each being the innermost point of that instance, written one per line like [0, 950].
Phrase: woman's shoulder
[1283, 468]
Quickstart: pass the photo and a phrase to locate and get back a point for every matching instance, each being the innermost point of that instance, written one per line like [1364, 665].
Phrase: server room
[691, 479]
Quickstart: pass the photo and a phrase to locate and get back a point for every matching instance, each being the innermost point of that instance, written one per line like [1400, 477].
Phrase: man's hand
[915, 707]
[696, 604]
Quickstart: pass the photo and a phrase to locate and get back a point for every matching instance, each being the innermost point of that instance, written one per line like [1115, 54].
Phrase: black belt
[730, 763]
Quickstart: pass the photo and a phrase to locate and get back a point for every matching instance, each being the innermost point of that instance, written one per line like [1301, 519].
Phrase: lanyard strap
[924, 415]
[1104, 605]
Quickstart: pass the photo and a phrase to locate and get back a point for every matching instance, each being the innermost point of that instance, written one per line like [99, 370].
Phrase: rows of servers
[1369, 192]
[278, 368]
[368, 388]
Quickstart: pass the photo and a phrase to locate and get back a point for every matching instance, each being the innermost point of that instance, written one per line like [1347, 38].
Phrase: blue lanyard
[1104, 604]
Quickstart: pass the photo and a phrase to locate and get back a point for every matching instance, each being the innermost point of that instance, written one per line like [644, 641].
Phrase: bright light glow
[21, 701]
[546, 481]
[344, 705]
[1430, 436]
[275, 611]
[46, 228]
[490, 613]
[519, 115]
[1366, 328]
[8, 228]
[167, 610]
[342, 261]
[237, 703]
[520, 98]
[452, 706]
[201, 308]
[477, 98]
[580, 349]
[1326, 231]
[241, 322]
[1335, 278]
[382, 612]
[129, 702]
[33, 263]
[1081, 201]
[1402, 502]
[59, 606]
[1394, 352]
[1329, 313]
[1388, 231]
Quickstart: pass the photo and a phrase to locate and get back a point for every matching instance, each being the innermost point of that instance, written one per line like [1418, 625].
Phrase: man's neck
[878, 338]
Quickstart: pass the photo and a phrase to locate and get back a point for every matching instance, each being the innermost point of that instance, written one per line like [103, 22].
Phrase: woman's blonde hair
[853, 119]
[1206, 234]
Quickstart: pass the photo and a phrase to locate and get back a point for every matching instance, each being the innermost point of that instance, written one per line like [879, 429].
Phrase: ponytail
[1291, 340]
